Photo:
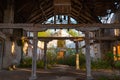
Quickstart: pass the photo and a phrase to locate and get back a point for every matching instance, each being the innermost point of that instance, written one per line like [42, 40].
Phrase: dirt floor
[58, 72]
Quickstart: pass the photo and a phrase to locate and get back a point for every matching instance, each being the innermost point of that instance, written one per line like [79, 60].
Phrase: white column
[88, 59]
[77, 56]
[34, 57]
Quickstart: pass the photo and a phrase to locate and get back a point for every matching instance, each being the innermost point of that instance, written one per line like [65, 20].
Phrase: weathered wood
[88, 58]
[78, 26]
[77, 56]
[110, 38]
[45, 55]
[59, 38]
[38, 27]
[34, 57]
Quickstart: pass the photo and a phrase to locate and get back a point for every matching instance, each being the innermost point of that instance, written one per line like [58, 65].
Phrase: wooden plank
[38, 27]
[78, 26]
[59, 38]
[12, 26]
[112, 38]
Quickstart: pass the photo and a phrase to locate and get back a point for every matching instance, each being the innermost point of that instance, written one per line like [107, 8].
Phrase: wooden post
[9, 12]
[9, 15]
[45, 57]
[54, 18]
[77, 56]
[34, 57]
[69, 22]
[88, 60]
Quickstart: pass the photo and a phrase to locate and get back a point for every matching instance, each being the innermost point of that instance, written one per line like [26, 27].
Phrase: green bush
[27, 62]
[100, 64]
[51, 57]
[68, 60]
[82, 60]
[40, 64]
[108, 62]
[117, 65]
[71, 60]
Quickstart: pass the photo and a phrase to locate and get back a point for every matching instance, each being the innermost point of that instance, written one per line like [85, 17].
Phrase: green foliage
[109, 57]
[51, 56]
[44, 34]
[108, 62]
[71, 60]
[40, 64]
[82, 60]
[27, 62]
[70, 51]
[73, 33]
[117, 65]
[100, 64]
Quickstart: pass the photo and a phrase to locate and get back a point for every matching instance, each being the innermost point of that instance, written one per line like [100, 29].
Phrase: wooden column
[9, 12]
[8, 18]
[88, 60]
[69, 22]
[9, 15]
[77, 56]
[54, 18]
[45, 56]
[34, 57]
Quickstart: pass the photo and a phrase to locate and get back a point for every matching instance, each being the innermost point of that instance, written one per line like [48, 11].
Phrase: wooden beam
[112, 38]
[37, 14]
[78, 26]
[38, 27]
[59, 38]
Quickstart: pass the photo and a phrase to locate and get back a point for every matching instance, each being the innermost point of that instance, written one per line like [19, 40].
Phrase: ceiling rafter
[86, 17]
[25, 5]
[41, 10]
[37, 12]
[40, 20]
[89, 11]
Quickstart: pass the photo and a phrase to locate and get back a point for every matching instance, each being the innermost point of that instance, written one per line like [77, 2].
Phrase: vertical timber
[8, 18]
[45, 56]
[34, 57]
[77, 55]
[88, 60]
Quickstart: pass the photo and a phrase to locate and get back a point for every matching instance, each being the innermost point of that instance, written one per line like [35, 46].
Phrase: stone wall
[7, 57]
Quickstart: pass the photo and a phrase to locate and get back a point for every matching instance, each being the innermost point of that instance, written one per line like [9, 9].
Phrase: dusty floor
[60, 72]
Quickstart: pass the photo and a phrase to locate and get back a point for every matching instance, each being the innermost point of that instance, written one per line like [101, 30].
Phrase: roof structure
[38, 11]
